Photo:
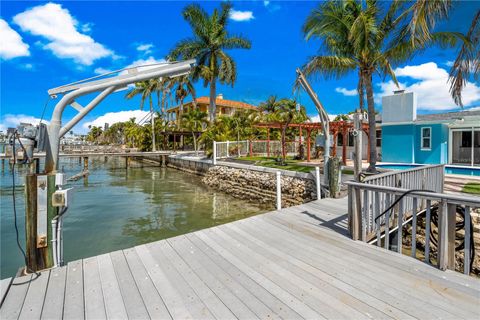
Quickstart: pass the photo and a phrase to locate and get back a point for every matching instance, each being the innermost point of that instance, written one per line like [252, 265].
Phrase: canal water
[118, 208]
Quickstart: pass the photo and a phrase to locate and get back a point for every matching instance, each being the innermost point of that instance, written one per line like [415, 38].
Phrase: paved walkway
[297, 263]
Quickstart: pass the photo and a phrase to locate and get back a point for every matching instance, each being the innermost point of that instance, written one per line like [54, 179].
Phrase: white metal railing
[367, 200]
[273, 147]
[235, 149]
[427, 178]
[230, 149]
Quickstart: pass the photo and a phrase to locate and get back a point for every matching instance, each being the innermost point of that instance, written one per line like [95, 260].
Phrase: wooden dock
[297, 263]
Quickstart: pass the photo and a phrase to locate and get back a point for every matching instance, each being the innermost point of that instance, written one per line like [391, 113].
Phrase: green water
[120, 208]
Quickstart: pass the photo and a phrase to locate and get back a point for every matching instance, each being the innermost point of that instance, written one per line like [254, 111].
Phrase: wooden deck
[294, 264]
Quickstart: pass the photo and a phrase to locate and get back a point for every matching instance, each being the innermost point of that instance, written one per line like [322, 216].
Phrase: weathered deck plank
[53, 309]
[295, 263]
[4, 286]
[33, 304]
[13, 303]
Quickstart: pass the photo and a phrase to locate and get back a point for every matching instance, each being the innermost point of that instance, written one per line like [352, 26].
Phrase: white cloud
[59, 27]
[316, 118]
[346, 92]
[146, 48]
[114, 117]
[241, 15]
[13, 120]
[432, 87]
[11, 43]
[148, 61]
[266, 3]
[101, 70]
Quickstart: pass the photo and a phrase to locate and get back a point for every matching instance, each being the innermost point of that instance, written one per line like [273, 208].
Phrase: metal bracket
[42, 210]
[77, 106]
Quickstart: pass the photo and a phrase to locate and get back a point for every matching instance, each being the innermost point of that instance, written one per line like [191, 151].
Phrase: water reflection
[119, 208]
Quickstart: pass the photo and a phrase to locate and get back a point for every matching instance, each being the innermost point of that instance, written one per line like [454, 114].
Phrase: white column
[279, 191]
[317, 180]
[214, 153]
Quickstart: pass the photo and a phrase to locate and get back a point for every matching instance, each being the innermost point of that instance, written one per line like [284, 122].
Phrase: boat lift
[322, 113]
[46, 200]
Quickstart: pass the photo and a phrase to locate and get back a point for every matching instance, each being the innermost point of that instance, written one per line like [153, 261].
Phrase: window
[426, 138]
[466, 139]
[340, 140]
[351, 139]
[379, 138]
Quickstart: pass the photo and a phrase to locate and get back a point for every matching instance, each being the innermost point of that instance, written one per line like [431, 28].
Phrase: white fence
[230, 149]
[235, 149]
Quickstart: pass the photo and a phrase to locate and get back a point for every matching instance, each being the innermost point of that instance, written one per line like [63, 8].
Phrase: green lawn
[290, 164]
[471, 187]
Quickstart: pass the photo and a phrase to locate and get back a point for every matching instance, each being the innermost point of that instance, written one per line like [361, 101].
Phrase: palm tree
[182, 87]
[358, 38]
[194, 121]
[425, 14]
[208, 46]
[146, 89]
[285, 112]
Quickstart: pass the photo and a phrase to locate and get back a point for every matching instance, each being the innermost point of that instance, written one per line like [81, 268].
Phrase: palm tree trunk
[195, 143]
[372, 130]
[152, 120]
[213, 97]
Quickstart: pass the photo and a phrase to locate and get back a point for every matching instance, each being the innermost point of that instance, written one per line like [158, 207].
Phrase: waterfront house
[223, 107]
[442, 138]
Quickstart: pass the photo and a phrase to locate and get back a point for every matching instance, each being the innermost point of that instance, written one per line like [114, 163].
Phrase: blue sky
[48, 44]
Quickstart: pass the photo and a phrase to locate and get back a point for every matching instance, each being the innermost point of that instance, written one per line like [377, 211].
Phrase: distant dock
[296, 263]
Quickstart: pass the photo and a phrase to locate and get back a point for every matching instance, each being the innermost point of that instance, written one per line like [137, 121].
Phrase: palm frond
[467, 62]
[329, 66]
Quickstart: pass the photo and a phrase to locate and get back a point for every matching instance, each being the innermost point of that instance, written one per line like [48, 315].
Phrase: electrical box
[60, 179]
[62, 198]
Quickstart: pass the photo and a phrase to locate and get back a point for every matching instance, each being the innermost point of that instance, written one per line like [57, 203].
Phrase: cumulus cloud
[316, 118]
[61, 30]
[11, 43]
[145, 48]
[241, 15]
[13, 120]
[114, 117]
[430, 82]
[346, 92]
[149, 63]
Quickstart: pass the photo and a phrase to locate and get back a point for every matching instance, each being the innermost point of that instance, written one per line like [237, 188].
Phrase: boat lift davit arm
[302, 80]
[105, 86]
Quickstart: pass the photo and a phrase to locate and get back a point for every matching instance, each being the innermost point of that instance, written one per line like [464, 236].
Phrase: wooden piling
[39, 248]
[85, 163]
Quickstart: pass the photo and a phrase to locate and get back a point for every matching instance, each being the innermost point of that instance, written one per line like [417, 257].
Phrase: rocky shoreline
[259, 186]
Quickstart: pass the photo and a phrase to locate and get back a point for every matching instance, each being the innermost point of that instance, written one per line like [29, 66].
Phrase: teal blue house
[446, 138]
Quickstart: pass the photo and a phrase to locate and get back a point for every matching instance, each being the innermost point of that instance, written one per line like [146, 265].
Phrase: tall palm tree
[145, 89]
[425, 14]
[194, 121]
[182, 86]
[208, 45]
[358, 38]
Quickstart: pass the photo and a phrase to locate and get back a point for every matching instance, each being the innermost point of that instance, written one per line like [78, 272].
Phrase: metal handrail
[452, 198]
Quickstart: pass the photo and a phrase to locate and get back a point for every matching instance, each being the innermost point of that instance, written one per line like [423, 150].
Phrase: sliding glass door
[465, 146]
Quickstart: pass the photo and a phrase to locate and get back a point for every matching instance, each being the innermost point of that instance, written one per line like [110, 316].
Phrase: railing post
[351, 222]
[279, 191]
[228, 149]
[445, 256]
[467, 249]
[214, 153]
[317, 181]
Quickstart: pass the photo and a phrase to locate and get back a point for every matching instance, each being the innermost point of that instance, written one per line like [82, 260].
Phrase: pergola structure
[336, 128]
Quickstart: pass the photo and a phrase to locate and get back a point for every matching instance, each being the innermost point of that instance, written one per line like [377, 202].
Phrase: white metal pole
[279, 191]
[317, 180]
[228, 149]
[214, 153]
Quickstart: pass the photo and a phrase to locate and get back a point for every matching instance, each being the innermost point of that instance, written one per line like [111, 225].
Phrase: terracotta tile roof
[226, 103]
[220, 103]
